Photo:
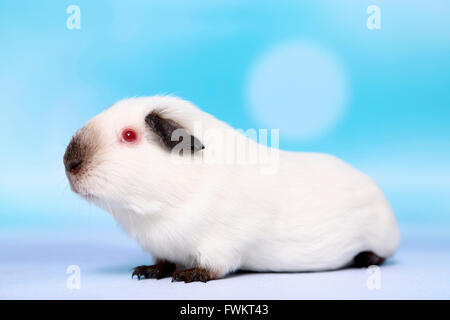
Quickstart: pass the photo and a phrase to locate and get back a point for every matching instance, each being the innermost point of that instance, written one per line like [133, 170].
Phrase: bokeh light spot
[298, 88]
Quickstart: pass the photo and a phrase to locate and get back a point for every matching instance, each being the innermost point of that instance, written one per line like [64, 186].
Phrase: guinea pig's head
[121, 157]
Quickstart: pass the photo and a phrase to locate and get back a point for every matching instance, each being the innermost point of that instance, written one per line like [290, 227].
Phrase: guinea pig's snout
[74, 157]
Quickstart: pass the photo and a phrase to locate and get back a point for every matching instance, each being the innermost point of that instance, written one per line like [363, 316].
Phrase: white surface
[33, 266]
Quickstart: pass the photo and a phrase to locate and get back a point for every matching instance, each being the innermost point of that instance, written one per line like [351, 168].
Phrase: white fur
[314, 213]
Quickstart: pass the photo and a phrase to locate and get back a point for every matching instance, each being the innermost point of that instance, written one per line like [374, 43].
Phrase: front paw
[158, 271]
[191, 275]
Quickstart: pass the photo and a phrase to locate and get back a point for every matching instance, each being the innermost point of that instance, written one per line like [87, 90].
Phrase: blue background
[394, 122]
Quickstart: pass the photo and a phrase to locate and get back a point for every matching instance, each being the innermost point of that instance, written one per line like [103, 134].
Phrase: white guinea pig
[159, 165]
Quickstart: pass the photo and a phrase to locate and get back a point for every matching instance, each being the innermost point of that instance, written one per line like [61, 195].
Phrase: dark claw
[136, 273]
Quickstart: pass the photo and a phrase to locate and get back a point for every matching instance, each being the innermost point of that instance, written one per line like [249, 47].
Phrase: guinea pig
[157, 165]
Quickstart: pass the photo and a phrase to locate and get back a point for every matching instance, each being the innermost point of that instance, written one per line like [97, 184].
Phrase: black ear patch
[172, 133]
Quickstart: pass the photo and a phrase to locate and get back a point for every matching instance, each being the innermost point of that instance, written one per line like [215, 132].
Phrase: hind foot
[367, 258]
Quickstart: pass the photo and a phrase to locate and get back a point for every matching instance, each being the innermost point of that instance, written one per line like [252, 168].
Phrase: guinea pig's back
[328, 212]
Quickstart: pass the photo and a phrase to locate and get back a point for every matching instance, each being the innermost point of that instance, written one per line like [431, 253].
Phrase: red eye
[129, 135]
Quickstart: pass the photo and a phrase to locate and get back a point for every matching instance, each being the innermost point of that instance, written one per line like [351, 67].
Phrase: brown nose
[74, 156]
[74, 166]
